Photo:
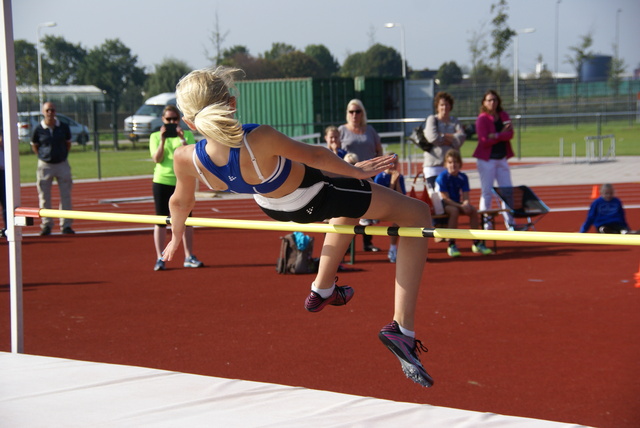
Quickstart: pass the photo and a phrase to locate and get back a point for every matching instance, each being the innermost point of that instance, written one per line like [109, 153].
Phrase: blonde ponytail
[204, 98]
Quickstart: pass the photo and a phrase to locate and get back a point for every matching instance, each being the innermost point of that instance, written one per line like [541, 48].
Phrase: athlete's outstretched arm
[182, 201]
[267, 141]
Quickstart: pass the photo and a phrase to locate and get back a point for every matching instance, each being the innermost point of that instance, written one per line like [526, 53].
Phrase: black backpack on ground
[294, 260]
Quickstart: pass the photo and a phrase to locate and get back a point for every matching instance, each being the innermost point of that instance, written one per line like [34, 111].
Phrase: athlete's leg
[389, 205]
[333, 250]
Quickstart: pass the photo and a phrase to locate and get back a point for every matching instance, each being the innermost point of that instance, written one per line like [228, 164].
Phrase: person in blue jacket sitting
[606, 213]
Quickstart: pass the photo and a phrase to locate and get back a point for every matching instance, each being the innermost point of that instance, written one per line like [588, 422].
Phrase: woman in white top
[445, 133]
[362, 140]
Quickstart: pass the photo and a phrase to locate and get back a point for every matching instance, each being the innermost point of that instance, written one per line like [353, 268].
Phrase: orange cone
[594, 192]
[425, 198]
[637, 277]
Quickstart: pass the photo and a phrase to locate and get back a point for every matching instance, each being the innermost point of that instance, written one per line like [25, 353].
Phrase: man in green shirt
[162, 144]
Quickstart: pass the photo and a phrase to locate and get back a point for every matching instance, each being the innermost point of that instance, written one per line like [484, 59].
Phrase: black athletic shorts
[320, 198]
[161, 195]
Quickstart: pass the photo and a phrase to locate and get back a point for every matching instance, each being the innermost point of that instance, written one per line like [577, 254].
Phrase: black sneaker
[405, 348]
[68, 231]
[46, 230]
[341, 295]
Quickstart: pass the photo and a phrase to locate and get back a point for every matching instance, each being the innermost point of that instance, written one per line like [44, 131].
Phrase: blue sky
[435, 31]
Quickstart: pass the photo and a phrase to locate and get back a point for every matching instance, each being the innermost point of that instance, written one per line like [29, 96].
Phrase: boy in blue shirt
[606, 213]
[454, 191]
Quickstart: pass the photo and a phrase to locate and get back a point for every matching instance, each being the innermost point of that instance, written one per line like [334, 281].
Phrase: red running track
[539, 330]
[134, 196]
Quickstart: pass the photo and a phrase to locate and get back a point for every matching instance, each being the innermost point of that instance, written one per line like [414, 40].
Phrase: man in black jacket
[51, 142]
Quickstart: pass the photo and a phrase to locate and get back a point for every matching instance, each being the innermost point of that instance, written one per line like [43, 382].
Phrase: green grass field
[84, 163]
[544, 141]
[535, 141]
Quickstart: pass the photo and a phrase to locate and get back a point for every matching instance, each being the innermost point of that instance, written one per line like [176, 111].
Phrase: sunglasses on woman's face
[172, 119]
[355, 111]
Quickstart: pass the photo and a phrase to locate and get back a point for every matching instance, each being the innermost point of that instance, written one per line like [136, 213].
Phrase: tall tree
[616, 70]
[229, 53]
[112, 68]
[384, 61]
[581, 52]
[482, 73]
[216, 38]
[298, 64]
[26, 62]
[477, 48]
[64, 60]
[254, 68]
[377, 61]
[277, 50]
[354, 65]
[449, 73]
[501, 32]
[328, 64]
[165, 76]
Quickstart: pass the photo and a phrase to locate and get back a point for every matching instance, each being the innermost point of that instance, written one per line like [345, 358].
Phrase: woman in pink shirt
[494, 130]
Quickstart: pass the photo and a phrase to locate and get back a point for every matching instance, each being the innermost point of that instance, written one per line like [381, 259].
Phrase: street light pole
[557, 36]
[515, 63]
[618, 33]
[44, 24]
[402, 46]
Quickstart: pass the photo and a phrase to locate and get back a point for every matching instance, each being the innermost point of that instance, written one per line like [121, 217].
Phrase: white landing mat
[50, 392]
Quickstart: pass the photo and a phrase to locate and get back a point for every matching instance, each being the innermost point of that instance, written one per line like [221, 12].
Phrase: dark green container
[284, 104]
[305, 106]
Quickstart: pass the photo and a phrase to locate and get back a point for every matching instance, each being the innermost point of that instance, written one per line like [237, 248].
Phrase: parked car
[27, 122]
[148, 118]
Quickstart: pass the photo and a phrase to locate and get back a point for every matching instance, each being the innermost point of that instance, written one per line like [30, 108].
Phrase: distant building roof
[60, 89]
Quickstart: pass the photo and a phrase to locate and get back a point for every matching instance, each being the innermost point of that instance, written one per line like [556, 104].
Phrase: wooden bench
[486, 216]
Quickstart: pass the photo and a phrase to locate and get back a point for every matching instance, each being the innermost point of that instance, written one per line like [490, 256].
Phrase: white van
[147, 119]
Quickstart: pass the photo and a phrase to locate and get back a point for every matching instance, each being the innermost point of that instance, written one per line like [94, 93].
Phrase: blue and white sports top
[230, 173]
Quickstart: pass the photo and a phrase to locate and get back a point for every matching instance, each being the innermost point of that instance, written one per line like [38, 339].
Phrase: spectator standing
[494, 130]
[361, 139]
[51, 142]
[162, 145]
[445, 133]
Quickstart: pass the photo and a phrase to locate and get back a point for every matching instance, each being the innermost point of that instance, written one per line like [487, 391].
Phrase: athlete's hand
[170, 250]
[371, 167]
